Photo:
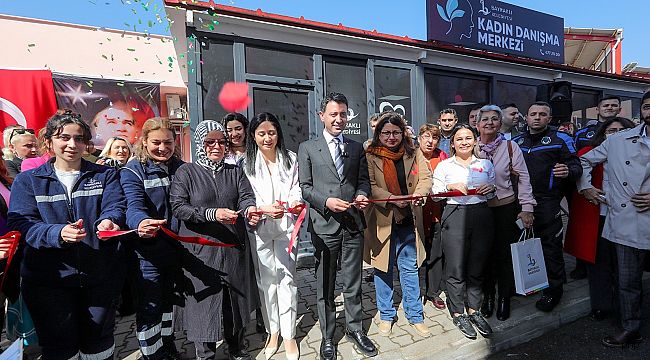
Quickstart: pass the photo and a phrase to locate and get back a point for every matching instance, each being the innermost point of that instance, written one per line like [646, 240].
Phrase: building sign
[496, 26]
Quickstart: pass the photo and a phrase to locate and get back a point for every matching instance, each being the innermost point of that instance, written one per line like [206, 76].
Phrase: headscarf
[200, 133]
[486, 151]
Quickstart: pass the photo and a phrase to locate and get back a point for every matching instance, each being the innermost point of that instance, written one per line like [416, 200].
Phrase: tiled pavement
[404, 343]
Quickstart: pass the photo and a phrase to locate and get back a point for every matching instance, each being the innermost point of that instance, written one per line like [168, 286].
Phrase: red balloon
[234, 96]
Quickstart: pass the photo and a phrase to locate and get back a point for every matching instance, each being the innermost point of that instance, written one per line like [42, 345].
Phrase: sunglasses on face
[212, 142]
[18, 131]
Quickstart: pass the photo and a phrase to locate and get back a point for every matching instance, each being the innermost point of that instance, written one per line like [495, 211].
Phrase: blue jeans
[402, 248]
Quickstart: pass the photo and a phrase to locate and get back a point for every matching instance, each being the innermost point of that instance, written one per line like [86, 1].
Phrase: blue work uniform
[71, 289]
[146, 186]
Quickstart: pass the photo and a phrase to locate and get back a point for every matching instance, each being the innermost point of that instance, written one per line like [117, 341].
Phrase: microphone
[344, 153]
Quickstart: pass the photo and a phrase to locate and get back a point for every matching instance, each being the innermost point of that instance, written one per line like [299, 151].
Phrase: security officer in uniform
[551, 159]
[608, 108]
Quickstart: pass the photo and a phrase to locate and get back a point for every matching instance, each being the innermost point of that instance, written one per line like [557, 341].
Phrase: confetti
[105, 57]
[31, 45]
[130, 49]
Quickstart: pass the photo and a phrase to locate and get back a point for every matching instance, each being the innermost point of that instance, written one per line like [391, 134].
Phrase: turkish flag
[26, 98]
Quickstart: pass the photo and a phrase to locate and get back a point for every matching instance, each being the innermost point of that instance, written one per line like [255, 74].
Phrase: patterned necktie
[338, 157]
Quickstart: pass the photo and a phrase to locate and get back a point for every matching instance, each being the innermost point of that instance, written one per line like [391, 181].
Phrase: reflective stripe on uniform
[150, 350]
[154, 183]
[149, 333]
[50, 198]
[106, 354]
[167, 324]
[84, 193]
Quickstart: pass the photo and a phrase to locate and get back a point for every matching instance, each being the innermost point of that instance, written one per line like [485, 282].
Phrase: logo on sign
[453, 10]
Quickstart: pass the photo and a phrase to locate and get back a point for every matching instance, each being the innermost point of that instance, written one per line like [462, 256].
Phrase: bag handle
[526, 234]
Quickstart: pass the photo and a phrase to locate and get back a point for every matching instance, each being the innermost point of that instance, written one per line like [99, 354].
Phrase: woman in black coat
[213, 199]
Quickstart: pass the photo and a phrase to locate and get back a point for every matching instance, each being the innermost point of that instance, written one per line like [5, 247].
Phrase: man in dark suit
[333, 175]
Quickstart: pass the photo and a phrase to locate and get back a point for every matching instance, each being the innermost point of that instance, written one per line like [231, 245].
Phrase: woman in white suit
[273, 173]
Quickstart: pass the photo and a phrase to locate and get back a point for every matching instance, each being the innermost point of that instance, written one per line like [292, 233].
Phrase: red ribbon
[446, 194]
[296, 226]
[14, 238]
[301, 209]
[186, 239]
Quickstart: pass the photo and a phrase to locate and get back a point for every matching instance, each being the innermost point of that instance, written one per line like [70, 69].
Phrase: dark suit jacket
[319, 181]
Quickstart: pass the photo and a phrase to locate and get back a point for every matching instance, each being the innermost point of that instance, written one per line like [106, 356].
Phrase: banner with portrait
[110, 107]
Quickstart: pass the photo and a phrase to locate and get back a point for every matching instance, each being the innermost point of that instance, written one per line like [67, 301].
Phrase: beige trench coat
[627, 167]
[379, 216]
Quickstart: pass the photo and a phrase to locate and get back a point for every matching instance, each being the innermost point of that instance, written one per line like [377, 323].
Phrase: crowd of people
[244, 195]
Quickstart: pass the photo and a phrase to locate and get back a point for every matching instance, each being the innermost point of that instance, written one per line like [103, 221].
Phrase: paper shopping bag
[528, 265]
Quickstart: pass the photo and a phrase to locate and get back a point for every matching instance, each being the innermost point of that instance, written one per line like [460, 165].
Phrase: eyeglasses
[395, 133]
[212, 142]
[19, 131]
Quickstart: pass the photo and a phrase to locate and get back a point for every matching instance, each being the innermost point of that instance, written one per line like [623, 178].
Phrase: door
[292, 106]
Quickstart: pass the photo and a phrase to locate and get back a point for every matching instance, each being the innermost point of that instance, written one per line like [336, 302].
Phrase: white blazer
[288, 191]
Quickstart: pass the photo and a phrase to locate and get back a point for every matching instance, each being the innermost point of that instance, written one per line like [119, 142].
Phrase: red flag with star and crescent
[26, 98]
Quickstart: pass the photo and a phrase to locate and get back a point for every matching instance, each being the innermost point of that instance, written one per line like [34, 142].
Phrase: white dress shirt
[331, 145]
[450, 171]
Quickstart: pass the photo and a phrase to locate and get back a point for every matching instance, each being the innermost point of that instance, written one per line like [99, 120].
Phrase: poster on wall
[110, 107]
[496, 26]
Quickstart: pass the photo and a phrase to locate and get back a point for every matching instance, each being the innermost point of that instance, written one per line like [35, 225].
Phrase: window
[217, 69]
[584, 106]
[521, 94]
[350, 80]
[456, 92]
[393, 90]
[291, 108]
[279, 63]
[630, 108]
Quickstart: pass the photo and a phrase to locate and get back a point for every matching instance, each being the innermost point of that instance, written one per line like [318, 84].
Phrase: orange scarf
[390, 171]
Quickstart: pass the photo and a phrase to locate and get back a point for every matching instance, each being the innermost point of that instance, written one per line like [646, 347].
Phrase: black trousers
[631, 262]
[433, 266]
[327, 250]
[467, 234]
[72, 321]
[498, 270]
[602, 274]
[550, 235]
